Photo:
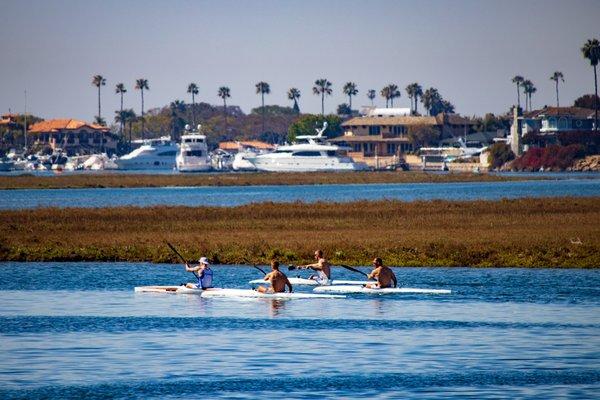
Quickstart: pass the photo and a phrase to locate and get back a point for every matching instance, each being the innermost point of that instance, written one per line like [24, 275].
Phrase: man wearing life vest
[203, 273]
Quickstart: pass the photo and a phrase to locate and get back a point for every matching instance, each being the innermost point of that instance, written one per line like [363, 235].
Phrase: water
[238, 195]
[72, 330]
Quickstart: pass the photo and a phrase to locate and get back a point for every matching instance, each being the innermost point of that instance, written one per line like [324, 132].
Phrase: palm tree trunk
[595, 100]
[416, 104]
[350, 101]
[193, 111]
[225, 113]
[262, 95]
[143, 136]
[121, 114]
[519, 96]
[557, 103]
[322, 103]
[392, 101]
[99, 110]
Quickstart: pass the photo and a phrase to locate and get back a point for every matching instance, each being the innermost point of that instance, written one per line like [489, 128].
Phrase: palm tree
[142, 84]
[126, 117]
[98, 81]
[371, 94]
[120, 89]
[394, 93]
[556, 76]
[591, 51]
[518, 79]
[350, 90]
[224, 93]
[385, 93]
[294, 94]
[429, 98]
[528, 89]
[177, 107]
[414, 91]
[322, 87]
[193, 90]
[263, 88]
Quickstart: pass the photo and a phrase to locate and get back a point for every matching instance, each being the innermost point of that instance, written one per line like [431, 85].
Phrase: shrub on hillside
[553, 157]
[500, 153]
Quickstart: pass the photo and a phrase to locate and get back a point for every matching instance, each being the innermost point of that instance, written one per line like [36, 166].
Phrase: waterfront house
[381, 138]
[73, 136]
[548, 123]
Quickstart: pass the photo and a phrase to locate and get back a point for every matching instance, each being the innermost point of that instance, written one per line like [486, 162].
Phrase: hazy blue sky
[469, 50]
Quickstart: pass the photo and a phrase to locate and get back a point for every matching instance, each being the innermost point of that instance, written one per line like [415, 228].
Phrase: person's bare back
[277, 279]
[384, 275]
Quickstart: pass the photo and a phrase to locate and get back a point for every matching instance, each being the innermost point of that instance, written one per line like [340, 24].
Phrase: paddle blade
[292, 267]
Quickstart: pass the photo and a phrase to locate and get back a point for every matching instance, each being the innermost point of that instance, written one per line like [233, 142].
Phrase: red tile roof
[55, 125]
[577, 112]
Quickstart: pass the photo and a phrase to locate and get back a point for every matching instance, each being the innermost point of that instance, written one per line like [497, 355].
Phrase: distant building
[73, 136]
[386, 137]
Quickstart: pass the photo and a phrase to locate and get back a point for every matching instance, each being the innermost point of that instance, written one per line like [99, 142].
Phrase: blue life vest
[205, 279]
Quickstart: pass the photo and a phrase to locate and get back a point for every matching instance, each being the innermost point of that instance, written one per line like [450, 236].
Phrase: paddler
[203, 273]
[384, 275]
[277, 279]
[321, 266]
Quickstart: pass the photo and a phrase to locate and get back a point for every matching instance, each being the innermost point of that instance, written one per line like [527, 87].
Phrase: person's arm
[191, 269]
[268, 277]
[289, 284]
[315, 266]
[394, 279]
[374, 274]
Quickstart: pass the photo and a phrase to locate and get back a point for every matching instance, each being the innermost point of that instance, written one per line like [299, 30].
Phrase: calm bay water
[72, 330]
[238, 195]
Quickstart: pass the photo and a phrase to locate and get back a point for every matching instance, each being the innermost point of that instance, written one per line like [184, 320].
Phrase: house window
[391, 148]
[398, 130]
[563, 124]
[356, 146]
[375, 130]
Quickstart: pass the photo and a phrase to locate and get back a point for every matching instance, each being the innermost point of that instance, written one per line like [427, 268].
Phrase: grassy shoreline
[119, 180]
[557, 232]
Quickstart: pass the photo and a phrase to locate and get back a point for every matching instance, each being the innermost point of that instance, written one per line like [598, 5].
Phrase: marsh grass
[119, 180]
[559, 232]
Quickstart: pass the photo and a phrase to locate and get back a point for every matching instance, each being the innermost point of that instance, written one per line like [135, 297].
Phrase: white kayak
[312, 282]
[352, 289]
[220, 292]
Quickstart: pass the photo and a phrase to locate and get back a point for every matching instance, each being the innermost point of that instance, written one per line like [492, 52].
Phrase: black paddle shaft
[180, 256]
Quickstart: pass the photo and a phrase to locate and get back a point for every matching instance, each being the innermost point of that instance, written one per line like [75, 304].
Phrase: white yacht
[153, 154]
[193, 152]
[309, 154]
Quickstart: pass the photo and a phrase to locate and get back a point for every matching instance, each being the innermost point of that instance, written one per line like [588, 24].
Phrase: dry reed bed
[243, 179]
[560, 232]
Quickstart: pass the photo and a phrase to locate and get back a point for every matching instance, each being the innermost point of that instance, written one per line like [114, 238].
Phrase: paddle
[292, 267]
[180, 256]
[354, 269]
[264, 273]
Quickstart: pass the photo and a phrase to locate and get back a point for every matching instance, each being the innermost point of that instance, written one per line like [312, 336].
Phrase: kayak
[220, 292]
[351, 289]
[312, 282]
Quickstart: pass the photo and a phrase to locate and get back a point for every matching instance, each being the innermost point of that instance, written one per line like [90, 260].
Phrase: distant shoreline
[546, 232]
[133, 180]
